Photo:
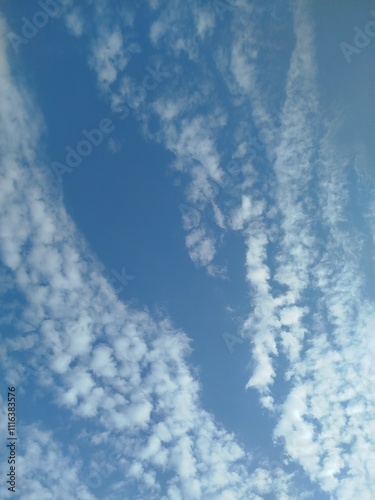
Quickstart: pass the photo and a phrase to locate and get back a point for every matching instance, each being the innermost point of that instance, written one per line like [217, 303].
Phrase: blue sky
[187, 234]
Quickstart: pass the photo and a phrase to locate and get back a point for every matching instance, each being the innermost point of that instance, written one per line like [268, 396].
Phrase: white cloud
[201, 247]
[103, 362]
[108, 57]
[324, 416]
[74, 22]
[303, 265]
[248, 210]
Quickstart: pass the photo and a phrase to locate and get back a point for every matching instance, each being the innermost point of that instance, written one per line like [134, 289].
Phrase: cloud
[170, 27]
[74, 22]
[108, 56]
[321, 320]
[309, 319]
[201, 247]
[110, 367]
[311, 316]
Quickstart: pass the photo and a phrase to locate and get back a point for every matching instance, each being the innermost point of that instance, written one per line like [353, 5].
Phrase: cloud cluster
[311, 312]
[114, 369]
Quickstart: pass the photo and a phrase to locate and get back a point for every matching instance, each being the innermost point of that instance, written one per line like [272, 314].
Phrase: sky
[187, 249]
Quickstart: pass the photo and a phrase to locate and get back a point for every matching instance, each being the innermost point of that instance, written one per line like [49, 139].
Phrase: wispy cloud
[323, 418]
